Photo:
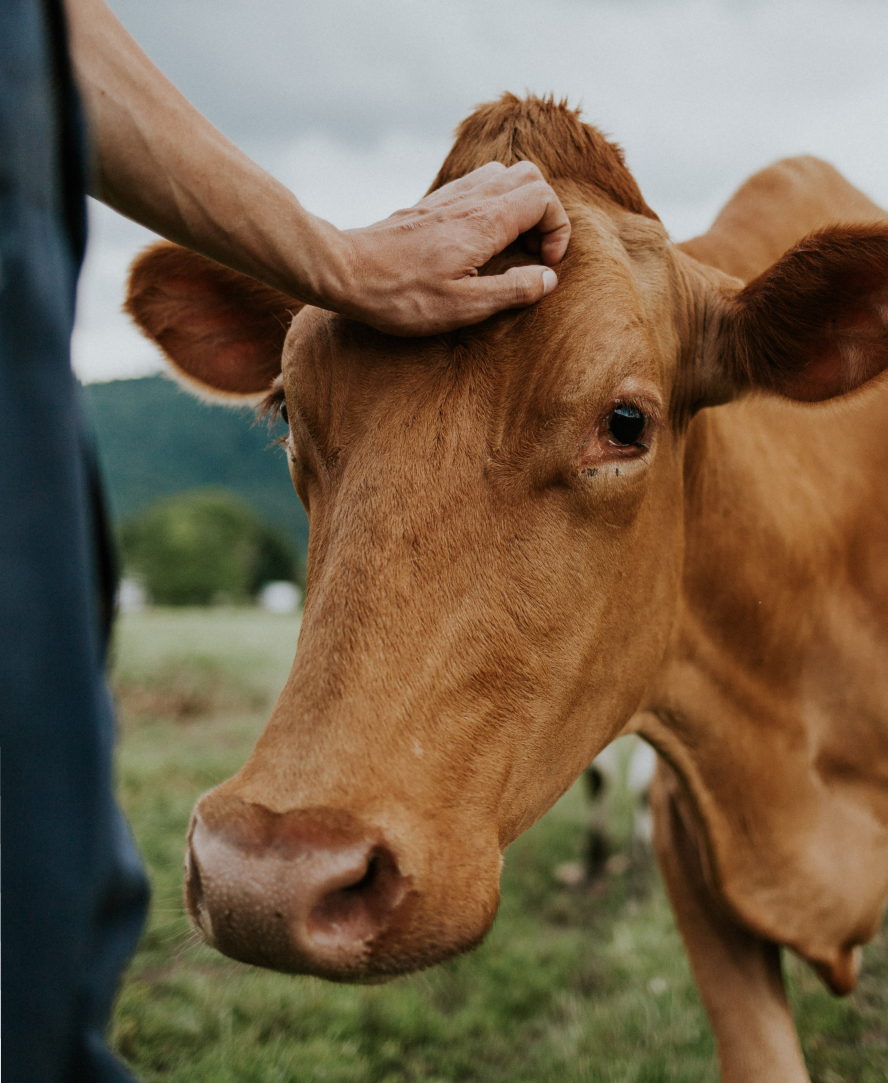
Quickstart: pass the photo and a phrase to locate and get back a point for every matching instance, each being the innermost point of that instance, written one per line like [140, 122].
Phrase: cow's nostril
[361, 909]
[305, 891]
[194, 892]
[193, 883]
[367, 879]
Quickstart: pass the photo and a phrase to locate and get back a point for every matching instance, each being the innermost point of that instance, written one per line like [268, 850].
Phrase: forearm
[158, 161]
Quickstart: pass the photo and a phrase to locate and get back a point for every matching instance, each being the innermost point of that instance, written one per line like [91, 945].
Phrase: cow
[655, 503]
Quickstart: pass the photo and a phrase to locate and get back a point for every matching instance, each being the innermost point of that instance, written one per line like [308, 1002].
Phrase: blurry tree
[204, 546]
[155, 441]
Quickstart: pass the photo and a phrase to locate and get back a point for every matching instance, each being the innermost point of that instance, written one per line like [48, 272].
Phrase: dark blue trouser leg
[74, 894]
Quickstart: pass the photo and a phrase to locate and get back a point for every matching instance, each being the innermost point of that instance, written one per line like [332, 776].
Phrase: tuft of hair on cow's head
[552, 136]
[222, 332]
[815, 324]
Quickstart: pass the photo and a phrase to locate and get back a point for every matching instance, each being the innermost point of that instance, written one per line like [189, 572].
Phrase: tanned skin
[158, 161]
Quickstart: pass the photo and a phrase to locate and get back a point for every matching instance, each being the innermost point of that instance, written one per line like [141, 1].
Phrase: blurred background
[352, 105]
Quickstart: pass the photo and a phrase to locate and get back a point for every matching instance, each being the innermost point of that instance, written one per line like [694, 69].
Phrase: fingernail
[550, 281]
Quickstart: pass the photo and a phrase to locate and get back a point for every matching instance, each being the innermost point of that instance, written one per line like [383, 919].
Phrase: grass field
[570, 985]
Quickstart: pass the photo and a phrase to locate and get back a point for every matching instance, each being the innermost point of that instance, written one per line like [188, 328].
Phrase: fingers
[488, 182]
[535, 206]
[495, 179]
[467, 183]
[416, 273]
[518, 287]
[517, 200]
[469, 302]
[521, 201]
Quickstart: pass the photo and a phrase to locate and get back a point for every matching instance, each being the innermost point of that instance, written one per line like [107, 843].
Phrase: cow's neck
[784, 510]
[771, 698]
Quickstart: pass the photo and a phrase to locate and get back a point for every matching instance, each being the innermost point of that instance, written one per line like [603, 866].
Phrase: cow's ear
[815, 324]
[222, 332]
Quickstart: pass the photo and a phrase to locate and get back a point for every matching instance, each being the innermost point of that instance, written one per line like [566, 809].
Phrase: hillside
[155, 440]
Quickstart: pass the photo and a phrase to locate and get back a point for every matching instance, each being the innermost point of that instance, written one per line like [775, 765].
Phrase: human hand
[159, 162]
[416, 272]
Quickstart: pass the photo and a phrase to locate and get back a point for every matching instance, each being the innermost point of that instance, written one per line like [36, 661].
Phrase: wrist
[358, 281]
[329, 260]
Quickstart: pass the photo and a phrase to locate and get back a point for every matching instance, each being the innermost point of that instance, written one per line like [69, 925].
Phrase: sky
[352, 103]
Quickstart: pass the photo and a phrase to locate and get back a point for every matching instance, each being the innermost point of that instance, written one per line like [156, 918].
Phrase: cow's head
[496, 545]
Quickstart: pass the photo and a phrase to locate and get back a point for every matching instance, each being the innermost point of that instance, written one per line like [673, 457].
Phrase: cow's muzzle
[312, 891]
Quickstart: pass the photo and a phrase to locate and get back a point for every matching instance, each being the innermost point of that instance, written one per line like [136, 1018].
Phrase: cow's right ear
[222, 332]
[814, 325]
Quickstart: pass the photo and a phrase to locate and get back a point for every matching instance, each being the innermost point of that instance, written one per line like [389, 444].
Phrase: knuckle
[524, 290]
[543, 189]
[527, 170]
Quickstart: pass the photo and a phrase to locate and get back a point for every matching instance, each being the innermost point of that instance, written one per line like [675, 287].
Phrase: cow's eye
[626, 425]
[282, 410]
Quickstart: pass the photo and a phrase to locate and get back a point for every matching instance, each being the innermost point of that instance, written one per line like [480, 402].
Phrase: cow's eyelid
[642, 403]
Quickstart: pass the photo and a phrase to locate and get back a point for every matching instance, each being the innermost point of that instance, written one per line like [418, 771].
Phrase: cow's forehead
[610, 317]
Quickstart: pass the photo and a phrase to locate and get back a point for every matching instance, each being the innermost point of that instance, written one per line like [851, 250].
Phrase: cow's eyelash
[270, 407]
[270, 411]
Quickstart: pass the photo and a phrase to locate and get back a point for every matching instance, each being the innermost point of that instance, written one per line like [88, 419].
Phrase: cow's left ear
[815, 324]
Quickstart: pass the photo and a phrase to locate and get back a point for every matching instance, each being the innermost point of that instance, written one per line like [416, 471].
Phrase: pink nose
[310, 891]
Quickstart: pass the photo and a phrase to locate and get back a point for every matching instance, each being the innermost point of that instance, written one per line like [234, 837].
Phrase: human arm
[158, 161]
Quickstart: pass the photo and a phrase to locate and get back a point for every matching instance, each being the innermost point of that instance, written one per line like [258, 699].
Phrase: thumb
[523, 286]
[516, 288]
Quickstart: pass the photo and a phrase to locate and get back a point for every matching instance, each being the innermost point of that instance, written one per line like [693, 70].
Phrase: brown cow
[602, 514]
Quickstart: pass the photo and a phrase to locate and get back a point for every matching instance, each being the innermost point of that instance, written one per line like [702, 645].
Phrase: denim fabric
[74, 894]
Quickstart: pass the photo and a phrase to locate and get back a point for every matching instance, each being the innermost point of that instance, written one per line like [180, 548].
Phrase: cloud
[353, 103]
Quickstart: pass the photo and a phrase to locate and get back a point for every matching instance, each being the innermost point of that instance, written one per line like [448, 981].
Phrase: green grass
[570, 985]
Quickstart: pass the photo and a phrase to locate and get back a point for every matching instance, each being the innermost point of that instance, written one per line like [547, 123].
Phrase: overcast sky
[352, 103]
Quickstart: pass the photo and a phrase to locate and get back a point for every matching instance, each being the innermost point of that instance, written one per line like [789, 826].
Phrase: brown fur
[813, 316]
[762, 220]
[550, 135]
[227, 346]
[496, 589]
